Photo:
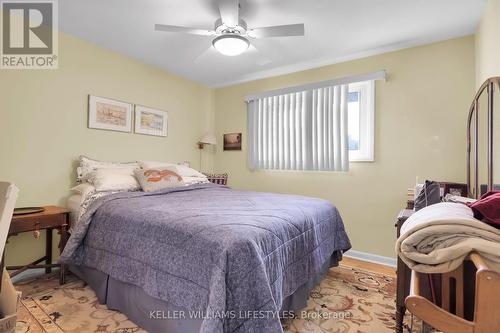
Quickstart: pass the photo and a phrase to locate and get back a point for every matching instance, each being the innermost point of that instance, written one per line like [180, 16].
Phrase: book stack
[410, 198]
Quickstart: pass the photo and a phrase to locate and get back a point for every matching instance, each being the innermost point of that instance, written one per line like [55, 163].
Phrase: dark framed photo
[232, 141]
[457, 189]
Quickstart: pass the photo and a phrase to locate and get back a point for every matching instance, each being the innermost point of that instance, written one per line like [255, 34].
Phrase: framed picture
[232, 141]
[458, 189]
[109, 114]
[150, 121]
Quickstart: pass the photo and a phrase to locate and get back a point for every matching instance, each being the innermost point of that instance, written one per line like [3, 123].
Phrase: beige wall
[488, 43]
[420, 131]
[43, 123]
[488, 65]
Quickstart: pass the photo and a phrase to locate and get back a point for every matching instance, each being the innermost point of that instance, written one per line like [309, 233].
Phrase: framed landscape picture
[232, 141]
[109, 114]
[150, 121]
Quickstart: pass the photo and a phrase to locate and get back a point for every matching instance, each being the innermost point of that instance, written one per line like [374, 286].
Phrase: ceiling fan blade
[261, 59]
[185, 30]
[205, 55]
[229, 12]
[278, 31]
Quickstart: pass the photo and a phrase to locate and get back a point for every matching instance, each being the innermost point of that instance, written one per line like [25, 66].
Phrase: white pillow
[186, 171]
[182, 168]
[158, 178]
[84, 189]
[88, 165]
[154, 164]
[121, 179]
[194, 180]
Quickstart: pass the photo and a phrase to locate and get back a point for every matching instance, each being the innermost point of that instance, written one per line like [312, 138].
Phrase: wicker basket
[215, 178]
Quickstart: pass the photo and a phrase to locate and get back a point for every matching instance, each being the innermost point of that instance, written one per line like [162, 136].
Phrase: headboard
[473, 185]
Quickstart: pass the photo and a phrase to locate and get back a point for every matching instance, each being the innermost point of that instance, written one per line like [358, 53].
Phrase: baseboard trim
[373, 258]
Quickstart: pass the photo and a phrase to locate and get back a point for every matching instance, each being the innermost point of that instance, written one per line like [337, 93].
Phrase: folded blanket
[437, 239]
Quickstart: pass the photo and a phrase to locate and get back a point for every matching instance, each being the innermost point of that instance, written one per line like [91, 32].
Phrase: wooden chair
[8, 197]
[486, 302]
[9, 297]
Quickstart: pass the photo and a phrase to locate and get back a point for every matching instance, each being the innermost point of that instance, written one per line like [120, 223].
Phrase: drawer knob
[36, 232]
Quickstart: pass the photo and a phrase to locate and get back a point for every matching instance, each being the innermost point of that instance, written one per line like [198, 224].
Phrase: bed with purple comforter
[229, 254]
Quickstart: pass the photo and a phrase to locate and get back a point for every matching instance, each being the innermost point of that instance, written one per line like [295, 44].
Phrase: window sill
[368, 160]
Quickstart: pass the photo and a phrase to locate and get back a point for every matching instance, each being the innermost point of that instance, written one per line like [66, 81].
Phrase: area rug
[348, 300]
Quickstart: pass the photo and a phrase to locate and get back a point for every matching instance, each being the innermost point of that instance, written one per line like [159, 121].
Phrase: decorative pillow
[160, 178]
[88, 165]
[120, 179]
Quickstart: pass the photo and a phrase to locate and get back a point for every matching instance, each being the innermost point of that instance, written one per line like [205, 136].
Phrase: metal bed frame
[489, 87]
[450, 316]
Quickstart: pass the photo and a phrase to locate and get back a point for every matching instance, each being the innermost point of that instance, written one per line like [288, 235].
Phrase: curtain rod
[379, 75]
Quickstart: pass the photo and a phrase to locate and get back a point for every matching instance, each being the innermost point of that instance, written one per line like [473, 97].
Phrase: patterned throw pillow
[159, 178]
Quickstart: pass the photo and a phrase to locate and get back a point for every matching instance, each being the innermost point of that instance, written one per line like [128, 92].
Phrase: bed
[204, 257]
[73, 204]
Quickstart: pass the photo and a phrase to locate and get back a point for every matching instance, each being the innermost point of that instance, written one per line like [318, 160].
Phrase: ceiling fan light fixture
[230, 45]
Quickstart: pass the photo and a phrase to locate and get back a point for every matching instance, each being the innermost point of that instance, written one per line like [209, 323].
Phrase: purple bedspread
[211, 249]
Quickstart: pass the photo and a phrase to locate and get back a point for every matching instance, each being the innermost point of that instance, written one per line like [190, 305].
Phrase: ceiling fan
[231, 33]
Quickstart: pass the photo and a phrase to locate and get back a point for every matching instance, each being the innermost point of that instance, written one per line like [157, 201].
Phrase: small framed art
[109, 114]
[150, 121]
[457, 189]
[232, 141]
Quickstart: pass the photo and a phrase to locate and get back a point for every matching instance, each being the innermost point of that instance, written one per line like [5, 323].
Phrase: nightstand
[403, 275]
[51, 218]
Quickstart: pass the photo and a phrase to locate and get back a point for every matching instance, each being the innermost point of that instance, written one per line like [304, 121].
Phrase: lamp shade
[208, 139]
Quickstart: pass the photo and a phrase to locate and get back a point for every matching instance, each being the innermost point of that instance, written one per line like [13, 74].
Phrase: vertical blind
[305, 130]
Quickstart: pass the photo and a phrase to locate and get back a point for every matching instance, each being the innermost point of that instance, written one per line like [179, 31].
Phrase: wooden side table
[51, 218]
[403, 275]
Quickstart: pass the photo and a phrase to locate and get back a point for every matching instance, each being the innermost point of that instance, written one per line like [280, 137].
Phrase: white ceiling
[336, 30]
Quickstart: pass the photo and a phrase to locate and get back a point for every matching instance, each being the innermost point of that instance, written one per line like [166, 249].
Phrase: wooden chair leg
[487, 307]
[458, 277]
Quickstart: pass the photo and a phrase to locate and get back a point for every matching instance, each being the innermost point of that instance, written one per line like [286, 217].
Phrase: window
[320, 126]
[300, 131]
[361, 115]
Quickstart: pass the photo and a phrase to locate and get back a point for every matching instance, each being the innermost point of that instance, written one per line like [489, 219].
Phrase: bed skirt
[155, 315]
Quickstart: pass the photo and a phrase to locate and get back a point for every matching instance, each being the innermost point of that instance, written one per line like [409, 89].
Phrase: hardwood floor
[382, 269]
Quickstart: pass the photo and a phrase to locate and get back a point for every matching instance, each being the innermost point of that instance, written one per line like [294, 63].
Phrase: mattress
[73, 204]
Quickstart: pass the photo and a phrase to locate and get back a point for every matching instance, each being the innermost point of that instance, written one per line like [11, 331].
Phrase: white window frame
[366, 152]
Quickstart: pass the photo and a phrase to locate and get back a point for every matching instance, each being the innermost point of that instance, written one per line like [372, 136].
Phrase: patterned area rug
[348, 300]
